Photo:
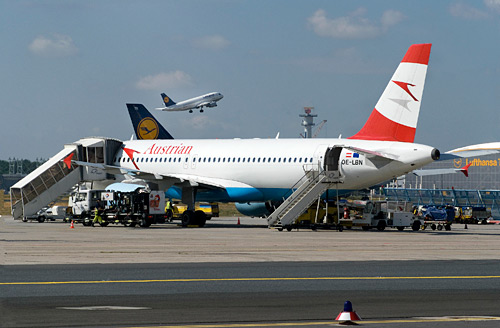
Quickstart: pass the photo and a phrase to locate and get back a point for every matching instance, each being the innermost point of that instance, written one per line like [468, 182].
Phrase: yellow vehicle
[175, 212]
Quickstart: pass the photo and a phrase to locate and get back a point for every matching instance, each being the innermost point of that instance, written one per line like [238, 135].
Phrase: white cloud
[58, 46]
[493, 4]
[211, 42]
[353, 26]
[461, 10]
[164, 81]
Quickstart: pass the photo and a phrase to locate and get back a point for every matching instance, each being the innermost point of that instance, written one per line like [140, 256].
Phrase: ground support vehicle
[322, 215]
[437, 217]
[202, 213]
[381, 214]
[136, 208]
[48, 214]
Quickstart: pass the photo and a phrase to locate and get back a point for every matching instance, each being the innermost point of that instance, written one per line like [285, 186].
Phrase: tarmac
[223, 240]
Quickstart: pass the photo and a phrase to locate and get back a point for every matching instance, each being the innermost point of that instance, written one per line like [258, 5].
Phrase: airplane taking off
[208, 100]
[256, 172]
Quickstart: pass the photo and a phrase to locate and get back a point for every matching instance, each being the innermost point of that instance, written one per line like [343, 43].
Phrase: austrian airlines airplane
[255, 171]
[208, 100]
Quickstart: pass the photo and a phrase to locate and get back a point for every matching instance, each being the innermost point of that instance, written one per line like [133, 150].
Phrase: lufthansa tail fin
[145, 125]
[167, 100]
[395, 116]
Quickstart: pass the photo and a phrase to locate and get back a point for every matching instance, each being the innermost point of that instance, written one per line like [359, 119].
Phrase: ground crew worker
[168, 210]
[97, 214]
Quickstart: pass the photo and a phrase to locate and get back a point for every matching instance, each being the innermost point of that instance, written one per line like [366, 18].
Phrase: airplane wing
[168, 109]
[206, 103]
[471, 151]
[422, 173]
[373, 154]
[135, 175]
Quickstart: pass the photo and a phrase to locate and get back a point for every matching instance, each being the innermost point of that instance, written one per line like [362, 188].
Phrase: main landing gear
[194, 218]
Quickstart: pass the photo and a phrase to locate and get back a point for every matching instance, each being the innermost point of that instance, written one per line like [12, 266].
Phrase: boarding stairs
[53, 178]
[315, 183]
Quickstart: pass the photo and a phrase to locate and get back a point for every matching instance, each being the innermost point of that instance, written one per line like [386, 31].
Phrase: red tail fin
[395, 116]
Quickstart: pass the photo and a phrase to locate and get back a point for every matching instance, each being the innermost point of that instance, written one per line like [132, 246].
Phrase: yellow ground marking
[330, 323]
[238, 279]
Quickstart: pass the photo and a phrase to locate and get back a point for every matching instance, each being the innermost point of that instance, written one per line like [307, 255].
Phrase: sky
[69, 67]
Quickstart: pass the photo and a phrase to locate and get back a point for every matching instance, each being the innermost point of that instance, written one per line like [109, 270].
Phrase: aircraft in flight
[256, 172]
[208, 100]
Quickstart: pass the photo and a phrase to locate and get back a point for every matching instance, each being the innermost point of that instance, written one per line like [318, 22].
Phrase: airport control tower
[308, 121]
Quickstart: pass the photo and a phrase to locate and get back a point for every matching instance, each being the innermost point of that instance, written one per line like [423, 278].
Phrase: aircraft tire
[447, 227]
[187, 218]
[200, 218]
[401, 228]
[433, 226]
[440, 227]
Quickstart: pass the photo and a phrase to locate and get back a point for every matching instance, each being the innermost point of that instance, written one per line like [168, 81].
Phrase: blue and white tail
[167, 100]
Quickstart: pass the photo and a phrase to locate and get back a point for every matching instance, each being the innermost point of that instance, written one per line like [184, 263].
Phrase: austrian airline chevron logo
[404, 86]
[130, 153]
[147, 129]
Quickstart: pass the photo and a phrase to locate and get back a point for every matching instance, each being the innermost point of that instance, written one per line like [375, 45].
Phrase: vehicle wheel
[288, 228]
[440, 227]
[415, 226]
[366, 228]
[484, 221]
[447, 227]
[401, 228]
[341, 228]
[433, 226]
[187, 218]
[144, 223]
[25, 219]
[104, 224]
[280, 229]
[381, 225]
[41, 219]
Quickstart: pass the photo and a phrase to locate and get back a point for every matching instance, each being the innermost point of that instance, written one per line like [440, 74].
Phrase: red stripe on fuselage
[379, 127]
[418, 54]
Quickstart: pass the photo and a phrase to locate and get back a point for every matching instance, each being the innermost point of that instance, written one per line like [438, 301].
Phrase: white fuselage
[267, 167]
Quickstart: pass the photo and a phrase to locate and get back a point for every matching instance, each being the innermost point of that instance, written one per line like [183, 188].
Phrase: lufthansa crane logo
[147, 129]
[457, 163]
[166, 100]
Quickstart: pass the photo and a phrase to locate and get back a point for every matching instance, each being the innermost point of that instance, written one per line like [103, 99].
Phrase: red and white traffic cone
[348, 316]
[238, 221]
[72, 226]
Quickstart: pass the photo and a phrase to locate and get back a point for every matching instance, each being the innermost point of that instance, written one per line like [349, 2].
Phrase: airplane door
[332, 157]
[319, 155]
[186, 162]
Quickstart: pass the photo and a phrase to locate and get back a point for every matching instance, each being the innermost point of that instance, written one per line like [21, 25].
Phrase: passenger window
[187, 159]
[295, 160]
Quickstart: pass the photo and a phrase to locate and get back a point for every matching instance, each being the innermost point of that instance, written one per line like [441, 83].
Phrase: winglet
[67, 160]
[465, 169]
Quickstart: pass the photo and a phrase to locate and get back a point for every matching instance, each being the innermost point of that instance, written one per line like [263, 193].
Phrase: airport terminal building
[484, 174]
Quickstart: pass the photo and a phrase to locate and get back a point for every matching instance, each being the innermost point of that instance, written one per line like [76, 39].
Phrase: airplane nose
[435, 154]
